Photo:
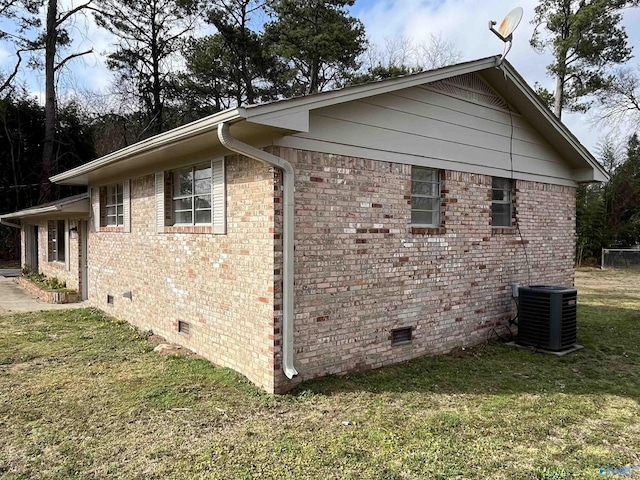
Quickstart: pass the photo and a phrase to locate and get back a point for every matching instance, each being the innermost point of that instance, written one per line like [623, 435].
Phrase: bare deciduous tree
[619, 104]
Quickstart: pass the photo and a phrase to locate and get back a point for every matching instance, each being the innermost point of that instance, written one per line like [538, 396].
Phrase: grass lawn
[83, 396]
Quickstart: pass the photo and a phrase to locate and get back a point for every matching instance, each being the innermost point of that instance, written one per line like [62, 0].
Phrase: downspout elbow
[9, 224]
[288, 225]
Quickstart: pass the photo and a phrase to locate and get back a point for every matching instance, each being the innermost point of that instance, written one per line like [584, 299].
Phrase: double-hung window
[501, 202]
[425, 196]
[56, 242]
[191, 199]
[114, 205]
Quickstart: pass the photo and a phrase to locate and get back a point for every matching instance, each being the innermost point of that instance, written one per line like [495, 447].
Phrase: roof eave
[598, 173]
[73, 205]
[167, 138]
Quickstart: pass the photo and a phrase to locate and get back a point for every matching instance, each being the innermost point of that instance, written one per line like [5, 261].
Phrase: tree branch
[68, 14]
[71, 57]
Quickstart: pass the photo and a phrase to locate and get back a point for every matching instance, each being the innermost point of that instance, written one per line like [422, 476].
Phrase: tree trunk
[313, 73]
[48, 144]
[559, 97]
[157, 88]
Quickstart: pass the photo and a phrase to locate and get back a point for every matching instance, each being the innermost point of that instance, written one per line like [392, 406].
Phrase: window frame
[438, 198]
[509, 193]
[55, 237]
[119, 205]
[193, 196]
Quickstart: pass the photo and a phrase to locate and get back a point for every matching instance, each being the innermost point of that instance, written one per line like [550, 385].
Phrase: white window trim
[164, 207]
[53, 237]
[119, 188]
[508, 201]
[438, 211]
[193, 196]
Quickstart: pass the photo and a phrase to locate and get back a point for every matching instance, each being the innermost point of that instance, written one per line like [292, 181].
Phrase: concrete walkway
[14, 299]
[9, 272]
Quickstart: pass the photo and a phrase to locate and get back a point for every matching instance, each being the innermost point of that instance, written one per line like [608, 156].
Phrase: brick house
[336, 232]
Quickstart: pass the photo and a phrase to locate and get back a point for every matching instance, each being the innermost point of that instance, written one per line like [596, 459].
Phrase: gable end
[472, 88]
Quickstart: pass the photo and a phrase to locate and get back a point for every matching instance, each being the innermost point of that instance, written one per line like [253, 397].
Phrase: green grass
[84, 396]
[49, 284]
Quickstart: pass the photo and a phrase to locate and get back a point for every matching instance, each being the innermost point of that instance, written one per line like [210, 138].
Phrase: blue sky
[463, 22]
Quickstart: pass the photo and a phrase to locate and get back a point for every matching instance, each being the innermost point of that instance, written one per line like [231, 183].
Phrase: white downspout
[288, 185]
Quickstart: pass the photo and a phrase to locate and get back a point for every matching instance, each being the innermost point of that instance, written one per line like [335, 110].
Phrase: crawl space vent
[400, 336]
[184, 327]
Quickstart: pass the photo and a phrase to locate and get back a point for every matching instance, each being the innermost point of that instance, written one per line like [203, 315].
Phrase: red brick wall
[361, 270]
[58, 269]
[221, 284]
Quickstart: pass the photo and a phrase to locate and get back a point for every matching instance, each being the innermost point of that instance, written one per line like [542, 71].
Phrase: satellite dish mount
[506, 29]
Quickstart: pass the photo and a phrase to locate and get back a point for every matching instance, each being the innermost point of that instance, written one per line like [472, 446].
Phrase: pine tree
[318, 39]
[585, 37]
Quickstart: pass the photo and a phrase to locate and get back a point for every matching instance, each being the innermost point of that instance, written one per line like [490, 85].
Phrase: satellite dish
[506, 29]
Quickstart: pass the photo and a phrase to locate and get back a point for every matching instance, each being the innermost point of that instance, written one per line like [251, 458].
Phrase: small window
[191, 199]
[501, 202]
[400, 336]
[56, 243]
[425, 196]
[114, 206]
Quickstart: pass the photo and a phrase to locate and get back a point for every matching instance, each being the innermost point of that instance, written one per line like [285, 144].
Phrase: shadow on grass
[609, 364]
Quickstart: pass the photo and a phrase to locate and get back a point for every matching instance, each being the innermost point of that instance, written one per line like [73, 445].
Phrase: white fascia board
[290, 113]
[74, 205]
[172, 136]
[589, 175]
[598, 174]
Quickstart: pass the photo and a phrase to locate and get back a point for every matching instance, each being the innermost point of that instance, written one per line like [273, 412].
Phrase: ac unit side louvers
[547, 317]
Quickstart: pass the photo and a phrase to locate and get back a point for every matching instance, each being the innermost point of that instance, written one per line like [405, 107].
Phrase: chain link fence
[624, 258]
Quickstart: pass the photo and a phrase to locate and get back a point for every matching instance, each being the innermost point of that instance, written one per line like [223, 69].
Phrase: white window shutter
[95, 207]
[219, 197]
[126, 205]
[160, 213]
[67, 265]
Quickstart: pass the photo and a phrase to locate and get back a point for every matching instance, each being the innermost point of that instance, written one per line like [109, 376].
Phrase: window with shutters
[192, 199]
[114, 215]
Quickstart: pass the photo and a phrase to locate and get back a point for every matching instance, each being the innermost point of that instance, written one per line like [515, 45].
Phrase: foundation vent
[400, 336]
[184, 327]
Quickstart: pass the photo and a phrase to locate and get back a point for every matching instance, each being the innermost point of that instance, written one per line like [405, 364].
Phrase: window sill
[56, 263]
[188, 229]
[503, 230]
[426, 230]
[112, 229]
